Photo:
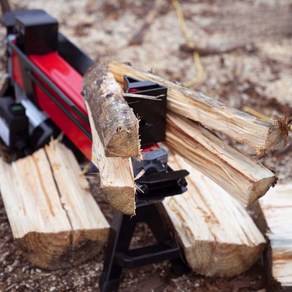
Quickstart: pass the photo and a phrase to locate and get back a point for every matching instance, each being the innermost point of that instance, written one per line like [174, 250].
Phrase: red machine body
[69, 81]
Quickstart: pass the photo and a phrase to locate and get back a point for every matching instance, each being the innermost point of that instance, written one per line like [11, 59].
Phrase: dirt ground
[249, 65]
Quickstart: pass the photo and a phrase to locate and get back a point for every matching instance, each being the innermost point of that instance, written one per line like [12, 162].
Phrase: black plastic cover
[37, 31]
[14, 123]
[151, 113]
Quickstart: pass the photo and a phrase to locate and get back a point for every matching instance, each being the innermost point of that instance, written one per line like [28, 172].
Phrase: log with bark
[216, 233]
[53, 216]
[261, 135]
[114, 129]
[277, 209]
[243, 178]
[114, 120]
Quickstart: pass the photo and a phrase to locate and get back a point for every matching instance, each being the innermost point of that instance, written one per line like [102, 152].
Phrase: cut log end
[222, 260]
[122, 198]
[126, 137]
[277, 137]
[260, 188]
[61, 250]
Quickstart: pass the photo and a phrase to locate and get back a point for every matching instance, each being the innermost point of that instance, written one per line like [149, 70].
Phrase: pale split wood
[243, 178]
[115, 121]
[53, 217]
[70, 182]
[218, 236]
[277, 210]
[116, 174]
[261, 135]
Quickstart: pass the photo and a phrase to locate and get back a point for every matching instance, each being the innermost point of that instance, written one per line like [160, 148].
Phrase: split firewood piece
[114, 120]
[261, 135]
[116, 174]
[243, 178]
[54, 218]
[277, 209]
[218, 236]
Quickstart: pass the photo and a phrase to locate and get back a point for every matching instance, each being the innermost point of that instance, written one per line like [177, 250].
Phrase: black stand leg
[118, 255]
[120, 237]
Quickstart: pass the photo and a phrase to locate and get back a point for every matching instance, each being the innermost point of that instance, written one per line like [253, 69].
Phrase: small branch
[138, 37]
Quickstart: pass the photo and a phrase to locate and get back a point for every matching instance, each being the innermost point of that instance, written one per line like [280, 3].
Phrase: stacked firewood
[212, 224]
[215, 230]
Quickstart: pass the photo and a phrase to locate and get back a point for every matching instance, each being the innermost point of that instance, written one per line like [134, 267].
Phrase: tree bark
[115, 122]
[242, 127]
[53, 217]
[216, 233]
[244, 179]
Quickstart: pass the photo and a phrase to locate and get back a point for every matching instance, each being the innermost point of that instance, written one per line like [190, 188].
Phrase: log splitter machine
[41, 96]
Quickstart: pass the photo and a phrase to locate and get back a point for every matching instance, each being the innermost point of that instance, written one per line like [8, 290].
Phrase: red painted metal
[63, 75]
[69, 81]
[151, 147]
[16, 72]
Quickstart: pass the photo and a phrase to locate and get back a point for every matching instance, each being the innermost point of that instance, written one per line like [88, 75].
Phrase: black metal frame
[148, 210]
[120, 256]
[152, 114]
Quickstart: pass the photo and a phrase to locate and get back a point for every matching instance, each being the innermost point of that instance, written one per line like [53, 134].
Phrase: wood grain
[242, 127]
[116, 174]
[216, 233]
[53, 217]
[277, 208]
[115, 122]
[243, 178]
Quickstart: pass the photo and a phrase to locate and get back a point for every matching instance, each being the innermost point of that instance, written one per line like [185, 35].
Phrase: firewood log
[261, 135]
[216, 233]
[114, 120]
[243, 178]
[114, 130]
[116, 174]
[276, 206]
[54, 218]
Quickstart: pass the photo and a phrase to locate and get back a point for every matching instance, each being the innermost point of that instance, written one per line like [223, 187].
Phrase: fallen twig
[138, 37]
